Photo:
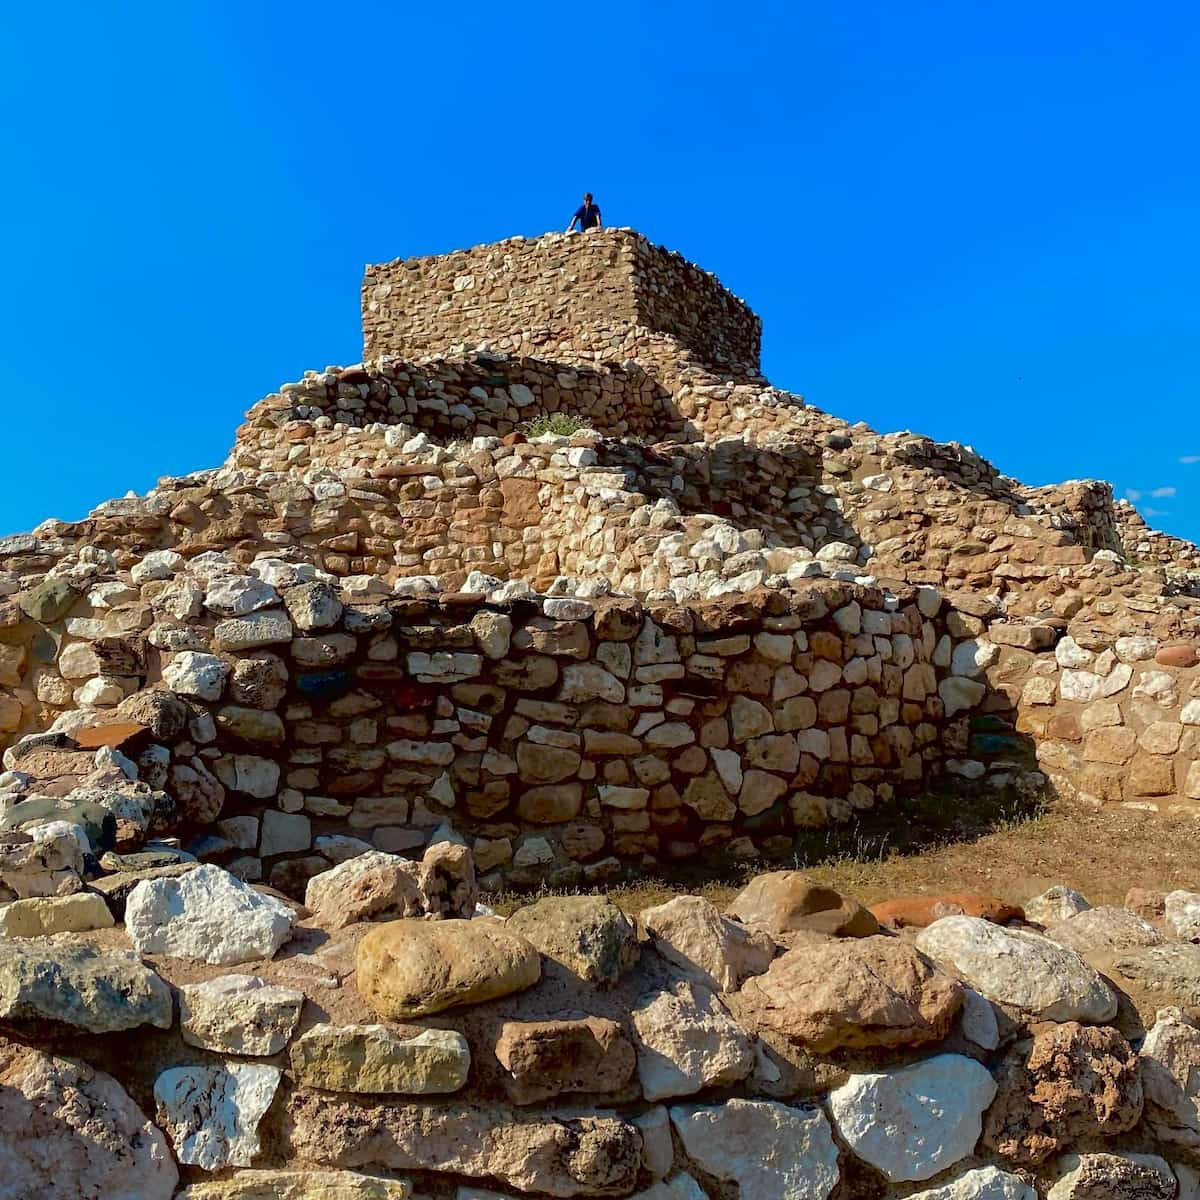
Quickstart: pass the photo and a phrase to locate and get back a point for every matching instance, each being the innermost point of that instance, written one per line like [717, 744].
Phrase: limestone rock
[68, 1131]
[238, 1014]
[212, 1113]
[1104, 928]
[771, 1151]
[313, 606]
[1170, 1059]
[266, 627]
[101, 991]
[237, 595]
[1113, 1177]
[554, 1154]
[305, 1184]
[875, 991]
[915, 1121]
[376, 1059]
[1054, 905]
[206, 915]
[48, 600]
[784, 901]
[375, 885]
[1029, 972]
[679, 1187]
[1183, 915]
[410, 968]
[982, 1183]
[45, 862]
[588, 935]
[194, 674]
[48, 915]
[687, 1041]
[712, 950]
[1171, 968]
[197, 791]
[1069, 1083]
[548, 1058]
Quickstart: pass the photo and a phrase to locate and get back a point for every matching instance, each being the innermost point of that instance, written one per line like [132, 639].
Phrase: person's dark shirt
[588, 216]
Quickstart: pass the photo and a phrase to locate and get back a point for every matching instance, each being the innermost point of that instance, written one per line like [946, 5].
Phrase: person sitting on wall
[587, 214]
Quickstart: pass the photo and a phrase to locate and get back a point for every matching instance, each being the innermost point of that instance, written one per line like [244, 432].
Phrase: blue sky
[973, 221]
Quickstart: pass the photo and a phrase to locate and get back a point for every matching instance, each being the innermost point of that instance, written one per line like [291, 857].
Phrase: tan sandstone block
[1191, 786]
[1151, 776]
[1110, 745]
[1105, 783]
[1162, 737]
[1102, 715]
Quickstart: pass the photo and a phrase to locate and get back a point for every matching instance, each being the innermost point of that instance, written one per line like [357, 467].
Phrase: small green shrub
[559, 424]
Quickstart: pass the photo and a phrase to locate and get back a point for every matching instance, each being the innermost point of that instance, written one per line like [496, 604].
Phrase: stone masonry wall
[554, 731]
[565, 297]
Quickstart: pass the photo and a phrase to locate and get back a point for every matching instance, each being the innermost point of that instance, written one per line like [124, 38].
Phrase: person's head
[587, 197]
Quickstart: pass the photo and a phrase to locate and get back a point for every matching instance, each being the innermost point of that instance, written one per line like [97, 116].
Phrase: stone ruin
[554, 588]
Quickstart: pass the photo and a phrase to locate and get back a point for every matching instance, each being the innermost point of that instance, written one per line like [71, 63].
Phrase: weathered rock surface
[1024, 970]
[102, 991]
[238, 1014]
[1113, 1177]
[873, 991]
[1172, 968]
[1182, 910]
[376, 1059]
[710, 949]
[771, 1151]
[1170, 1062]
[1054, 905]
[306, 1184]
[1069, 1083]
[548, 1058]
[1104, 928]
[48, 915]
[687, 1041]
[212, 1113]
[377, 886]
[982, 1183]
[915, 1121]
[556, 1154]
[410, 968]
[207, 915]
[69, 1131]
[787, 901]
[588, 935]
[44, 863]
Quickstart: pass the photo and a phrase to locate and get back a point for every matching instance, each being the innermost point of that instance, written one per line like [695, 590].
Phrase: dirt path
[936, 845]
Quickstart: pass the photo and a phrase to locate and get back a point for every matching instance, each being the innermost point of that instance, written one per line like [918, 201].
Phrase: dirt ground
[941, 844]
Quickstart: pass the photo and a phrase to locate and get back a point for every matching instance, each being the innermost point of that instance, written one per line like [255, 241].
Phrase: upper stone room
[603, 295]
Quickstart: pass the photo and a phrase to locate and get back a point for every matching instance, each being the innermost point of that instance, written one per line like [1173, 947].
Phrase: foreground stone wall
[593, 296]
[201, 1039]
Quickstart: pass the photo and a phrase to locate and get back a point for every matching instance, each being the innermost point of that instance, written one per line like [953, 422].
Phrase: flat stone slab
[555, 1153]
[771, 1151]
[915, 1121]
[238, 1014]
[102, 991]
[375, 1059]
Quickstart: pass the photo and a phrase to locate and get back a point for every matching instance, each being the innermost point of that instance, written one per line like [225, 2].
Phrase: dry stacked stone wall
[556, 733]
[592, 296]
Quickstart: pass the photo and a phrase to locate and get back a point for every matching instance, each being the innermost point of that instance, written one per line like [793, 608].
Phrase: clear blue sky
[974, 221]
